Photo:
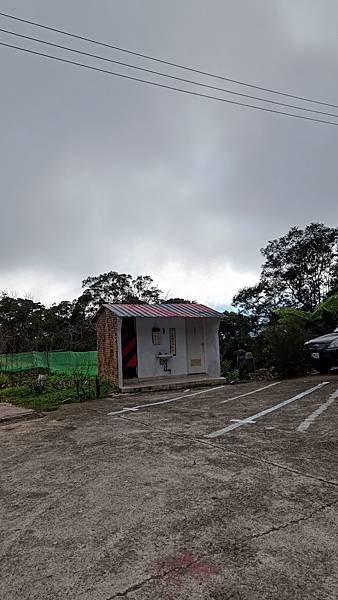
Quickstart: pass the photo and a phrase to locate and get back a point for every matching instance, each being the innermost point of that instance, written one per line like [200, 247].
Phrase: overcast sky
[100, 173]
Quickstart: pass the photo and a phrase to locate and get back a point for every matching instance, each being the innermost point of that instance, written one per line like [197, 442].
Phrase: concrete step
[160, 386]
[10, 412]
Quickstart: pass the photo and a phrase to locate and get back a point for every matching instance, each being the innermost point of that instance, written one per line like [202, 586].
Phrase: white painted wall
[149, 365]
[212, 358]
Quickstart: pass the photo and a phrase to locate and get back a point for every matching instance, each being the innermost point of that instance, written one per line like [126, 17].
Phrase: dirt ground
[159, 503]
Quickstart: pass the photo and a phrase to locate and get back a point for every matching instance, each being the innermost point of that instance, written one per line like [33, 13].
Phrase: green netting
[71, 362]
[56, 362]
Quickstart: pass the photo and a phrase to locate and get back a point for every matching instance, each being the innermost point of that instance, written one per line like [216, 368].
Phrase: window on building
[156, 336]
[172, 340]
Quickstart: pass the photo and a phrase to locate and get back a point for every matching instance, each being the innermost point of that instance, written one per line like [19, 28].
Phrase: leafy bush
[4, 380]
[279, 344]
[325, 317]
[231, 375]
[286, 334]
[234, 333]
[284, 348]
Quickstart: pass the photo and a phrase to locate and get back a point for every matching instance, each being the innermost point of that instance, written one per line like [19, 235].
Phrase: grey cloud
[100, 173]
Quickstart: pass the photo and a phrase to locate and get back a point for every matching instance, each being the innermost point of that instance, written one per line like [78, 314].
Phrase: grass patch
[44, 392]
[231, 375]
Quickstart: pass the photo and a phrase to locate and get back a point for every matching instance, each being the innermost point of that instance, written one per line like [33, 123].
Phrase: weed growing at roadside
[44, 392]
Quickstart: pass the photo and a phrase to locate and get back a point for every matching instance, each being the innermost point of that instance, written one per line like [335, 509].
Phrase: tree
[84, 332]
[235, 332]
[119, 287]
[258, 302]
[300, 271]
[21, 324]
[57, 329]
[177, 301]
[334, 284]
[325, 316]
[283, 346]
[26, 325]
[68, 327]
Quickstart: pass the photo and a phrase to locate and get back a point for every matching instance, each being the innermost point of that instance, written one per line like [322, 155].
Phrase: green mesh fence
[56, 362]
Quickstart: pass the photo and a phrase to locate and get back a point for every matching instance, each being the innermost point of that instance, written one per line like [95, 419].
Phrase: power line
[167, 87]
[166, 62]
[153, 72]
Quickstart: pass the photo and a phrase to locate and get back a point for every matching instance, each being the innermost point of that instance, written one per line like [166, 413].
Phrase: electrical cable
[166, 62]
[168, 87]
[153, 72]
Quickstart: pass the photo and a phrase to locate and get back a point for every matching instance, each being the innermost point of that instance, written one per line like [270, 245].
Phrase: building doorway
[129, 348]
[195, 346]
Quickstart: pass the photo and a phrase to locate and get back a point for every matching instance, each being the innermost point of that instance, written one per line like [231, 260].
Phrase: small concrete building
[164, 345]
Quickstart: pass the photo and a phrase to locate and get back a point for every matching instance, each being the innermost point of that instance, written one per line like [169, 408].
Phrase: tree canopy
[26, 325]
[119, 287]
[300, 270]
[295, 298]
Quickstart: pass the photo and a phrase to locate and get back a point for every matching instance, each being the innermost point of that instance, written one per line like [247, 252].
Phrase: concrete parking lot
[219, 493]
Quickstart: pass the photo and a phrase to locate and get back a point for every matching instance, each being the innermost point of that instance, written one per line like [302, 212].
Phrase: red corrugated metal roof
[162, 310]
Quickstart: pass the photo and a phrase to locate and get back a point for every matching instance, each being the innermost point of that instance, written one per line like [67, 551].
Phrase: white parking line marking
[309, 420]
[215, 434]
[135, 408]
[252, 392]
[241, 421]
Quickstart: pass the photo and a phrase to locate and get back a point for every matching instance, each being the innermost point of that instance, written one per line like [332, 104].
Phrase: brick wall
[107, 335]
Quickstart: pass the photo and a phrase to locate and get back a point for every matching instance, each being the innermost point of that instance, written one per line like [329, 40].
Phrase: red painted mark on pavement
[186, 564]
